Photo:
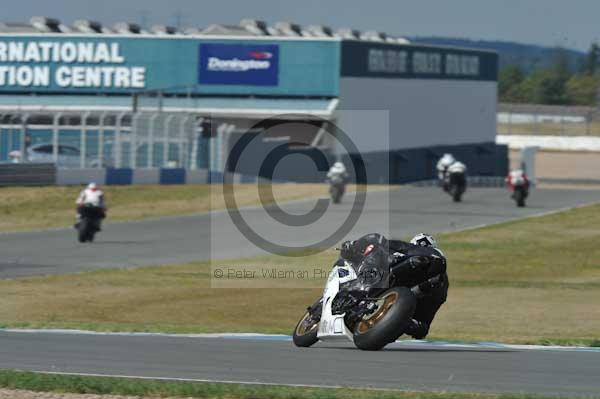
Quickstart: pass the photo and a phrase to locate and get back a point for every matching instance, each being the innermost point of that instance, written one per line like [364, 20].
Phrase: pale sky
[574, 23]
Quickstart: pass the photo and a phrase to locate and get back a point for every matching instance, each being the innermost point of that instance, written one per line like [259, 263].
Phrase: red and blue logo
[260, 55]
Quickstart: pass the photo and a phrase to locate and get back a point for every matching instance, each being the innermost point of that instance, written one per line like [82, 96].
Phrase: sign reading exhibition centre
[67, 64]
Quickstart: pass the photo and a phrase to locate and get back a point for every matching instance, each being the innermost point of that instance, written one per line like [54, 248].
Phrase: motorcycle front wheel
[305, 333]
[456, 193]
[395, 307]
[83, 230]
[520, 198]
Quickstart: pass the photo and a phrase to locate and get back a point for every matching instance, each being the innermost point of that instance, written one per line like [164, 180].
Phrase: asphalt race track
[409, 367]
[398, 213]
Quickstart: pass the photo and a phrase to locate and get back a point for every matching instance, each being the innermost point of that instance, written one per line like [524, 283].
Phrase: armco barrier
[172, 176]
[198, 176]
[146, 176]
[47, 174]
[215, 177]
[121, 176]
[472, 181]
[66, 177]
[40, 174]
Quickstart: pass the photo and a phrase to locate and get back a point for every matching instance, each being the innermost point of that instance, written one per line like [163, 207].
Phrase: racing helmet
[92, 186]
[424, 240]
[447, 159]
[338, 166]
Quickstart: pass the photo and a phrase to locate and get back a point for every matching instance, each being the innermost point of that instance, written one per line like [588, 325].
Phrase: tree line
[557, 84]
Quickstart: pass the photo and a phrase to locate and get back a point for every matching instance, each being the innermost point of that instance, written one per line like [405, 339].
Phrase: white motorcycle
[359, 305]
[337, 188]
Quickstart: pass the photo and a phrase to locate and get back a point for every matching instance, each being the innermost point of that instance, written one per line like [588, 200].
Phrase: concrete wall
[126, 176]
[66, 177]
[422, 112]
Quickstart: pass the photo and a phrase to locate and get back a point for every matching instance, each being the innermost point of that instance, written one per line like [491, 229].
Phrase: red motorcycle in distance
[518, 184]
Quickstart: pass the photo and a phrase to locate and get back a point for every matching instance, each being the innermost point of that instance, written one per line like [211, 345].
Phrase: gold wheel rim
[304, 327]
[384, 304]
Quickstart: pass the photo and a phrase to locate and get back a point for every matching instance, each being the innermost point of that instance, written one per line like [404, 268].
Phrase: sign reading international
[237, 64]
[67, 64]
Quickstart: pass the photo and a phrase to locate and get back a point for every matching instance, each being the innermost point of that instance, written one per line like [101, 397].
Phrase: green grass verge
[532, 281]
[154, 388]
[25, 208]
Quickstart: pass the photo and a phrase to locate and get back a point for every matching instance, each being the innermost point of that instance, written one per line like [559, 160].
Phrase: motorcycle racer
[442, 165]
[337, 170]
[90, 196]
[517, 177]
[418, 264]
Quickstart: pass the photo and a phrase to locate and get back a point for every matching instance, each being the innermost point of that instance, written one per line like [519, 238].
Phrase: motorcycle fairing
[333, 326]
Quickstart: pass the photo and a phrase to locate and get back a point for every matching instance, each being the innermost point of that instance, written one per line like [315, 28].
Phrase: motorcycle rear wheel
[82, 230]
[305, 333]
[456, 193]
[520, 198]
[395, 308]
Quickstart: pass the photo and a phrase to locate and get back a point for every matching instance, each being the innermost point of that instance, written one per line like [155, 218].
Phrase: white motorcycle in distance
[370, 320]
[337, 177]
[337, 188]
[455, 181]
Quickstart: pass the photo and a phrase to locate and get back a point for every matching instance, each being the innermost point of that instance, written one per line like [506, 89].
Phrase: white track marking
[287, 338]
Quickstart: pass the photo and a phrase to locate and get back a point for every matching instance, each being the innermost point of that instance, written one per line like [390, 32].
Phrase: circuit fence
[552, 120]
[106, 139]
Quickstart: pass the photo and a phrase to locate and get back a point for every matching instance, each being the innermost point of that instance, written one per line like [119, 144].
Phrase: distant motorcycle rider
[337, 171]
[448, 165]
[443, 164]
[515, 178]
[417, 264]
[90, 196]
[337, 178]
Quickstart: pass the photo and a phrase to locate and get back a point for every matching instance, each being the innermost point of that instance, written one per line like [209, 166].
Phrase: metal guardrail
[40, 174]
[472, 181]
[547, 120]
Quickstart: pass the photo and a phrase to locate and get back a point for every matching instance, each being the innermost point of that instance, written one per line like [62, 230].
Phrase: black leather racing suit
[422, 269]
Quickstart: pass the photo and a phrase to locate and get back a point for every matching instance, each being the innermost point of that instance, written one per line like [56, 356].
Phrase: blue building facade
[236, 82]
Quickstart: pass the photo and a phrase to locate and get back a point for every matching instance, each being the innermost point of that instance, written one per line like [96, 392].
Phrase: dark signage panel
[387, 60]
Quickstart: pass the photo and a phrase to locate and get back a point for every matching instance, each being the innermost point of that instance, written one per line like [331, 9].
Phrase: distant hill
[528, 56]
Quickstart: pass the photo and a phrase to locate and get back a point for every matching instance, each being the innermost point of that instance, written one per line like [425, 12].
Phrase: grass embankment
[529, 281]
[23, 208]
[152, 389]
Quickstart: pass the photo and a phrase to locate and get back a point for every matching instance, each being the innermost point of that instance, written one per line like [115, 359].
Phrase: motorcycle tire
[305, 333]
[83, 229]
[520, 198]
[396, 307]
[336, 195]
[456, 193]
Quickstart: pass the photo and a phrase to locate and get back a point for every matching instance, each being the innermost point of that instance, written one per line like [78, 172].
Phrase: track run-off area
[397, 213]
[273, 359]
